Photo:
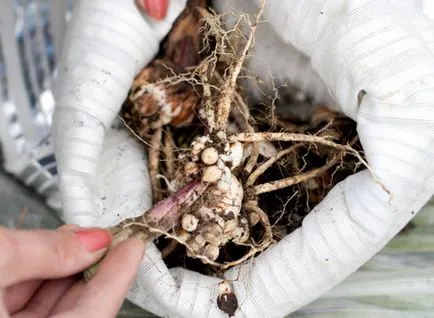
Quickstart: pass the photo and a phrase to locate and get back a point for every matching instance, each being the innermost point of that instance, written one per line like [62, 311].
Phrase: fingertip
[94, 239]
[156, 9]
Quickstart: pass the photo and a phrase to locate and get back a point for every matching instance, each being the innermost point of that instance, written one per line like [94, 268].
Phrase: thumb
[48, 254]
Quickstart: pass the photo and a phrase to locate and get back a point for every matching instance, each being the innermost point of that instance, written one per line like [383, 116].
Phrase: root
[253, 207]
[289, 181]
[169, 146]
[169, 185]
[251, 253]
[154, 155]
[241, 112]
[267, 164]
[228, 89]
[207, 95]
[219, 149]
[133, 132]
[268, 136]
[203, 258]
[253, 160]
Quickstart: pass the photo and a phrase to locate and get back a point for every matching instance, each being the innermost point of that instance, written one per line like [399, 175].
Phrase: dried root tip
[256, 214]
[189, 222]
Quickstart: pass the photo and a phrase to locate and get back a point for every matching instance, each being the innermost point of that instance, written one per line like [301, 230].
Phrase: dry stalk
[164, 216]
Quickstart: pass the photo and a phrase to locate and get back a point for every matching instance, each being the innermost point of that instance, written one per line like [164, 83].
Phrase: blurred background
[398, 282]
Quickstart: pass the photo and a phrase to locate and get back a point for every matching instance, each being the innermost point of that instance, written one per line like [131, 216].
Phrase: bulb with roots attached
[215, 219]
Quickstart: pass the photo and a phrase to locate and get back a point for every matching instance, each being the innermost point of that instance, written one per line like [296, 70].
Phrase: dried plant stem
[289, 181]
[267, 164]
[162, 216]
[154, 156]
[228, 89]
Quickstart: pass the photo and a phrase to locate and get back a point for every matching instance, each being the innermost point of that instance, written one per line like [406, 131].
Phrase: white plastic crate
[31, 35]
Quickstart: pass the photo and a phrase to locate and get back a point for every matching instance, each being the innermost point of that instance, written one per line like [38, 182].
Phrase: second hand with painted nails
[156, 9]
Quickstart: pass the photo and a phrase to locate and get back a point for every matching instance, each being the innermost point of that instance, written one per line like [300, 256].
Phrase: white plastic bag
[375, 59]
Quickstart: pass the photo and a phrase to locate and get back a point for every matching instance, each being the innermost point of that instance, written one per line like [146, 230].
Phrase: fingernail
[94, 239]
[157, 9]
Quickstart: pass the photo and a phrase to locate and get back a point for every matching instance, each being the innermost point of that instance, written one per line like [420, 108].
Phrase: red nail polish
[94, 239]
[160, 9]
[145, 5]
[156, 9]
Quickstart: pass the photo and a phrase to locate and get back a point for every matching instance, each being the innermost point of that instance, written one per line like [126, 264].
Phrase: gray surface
[22, 208]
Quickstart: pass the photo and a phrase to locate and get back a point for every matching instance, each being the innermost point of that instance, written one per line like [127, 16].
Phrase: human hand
[358, 217]
[40, 272]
